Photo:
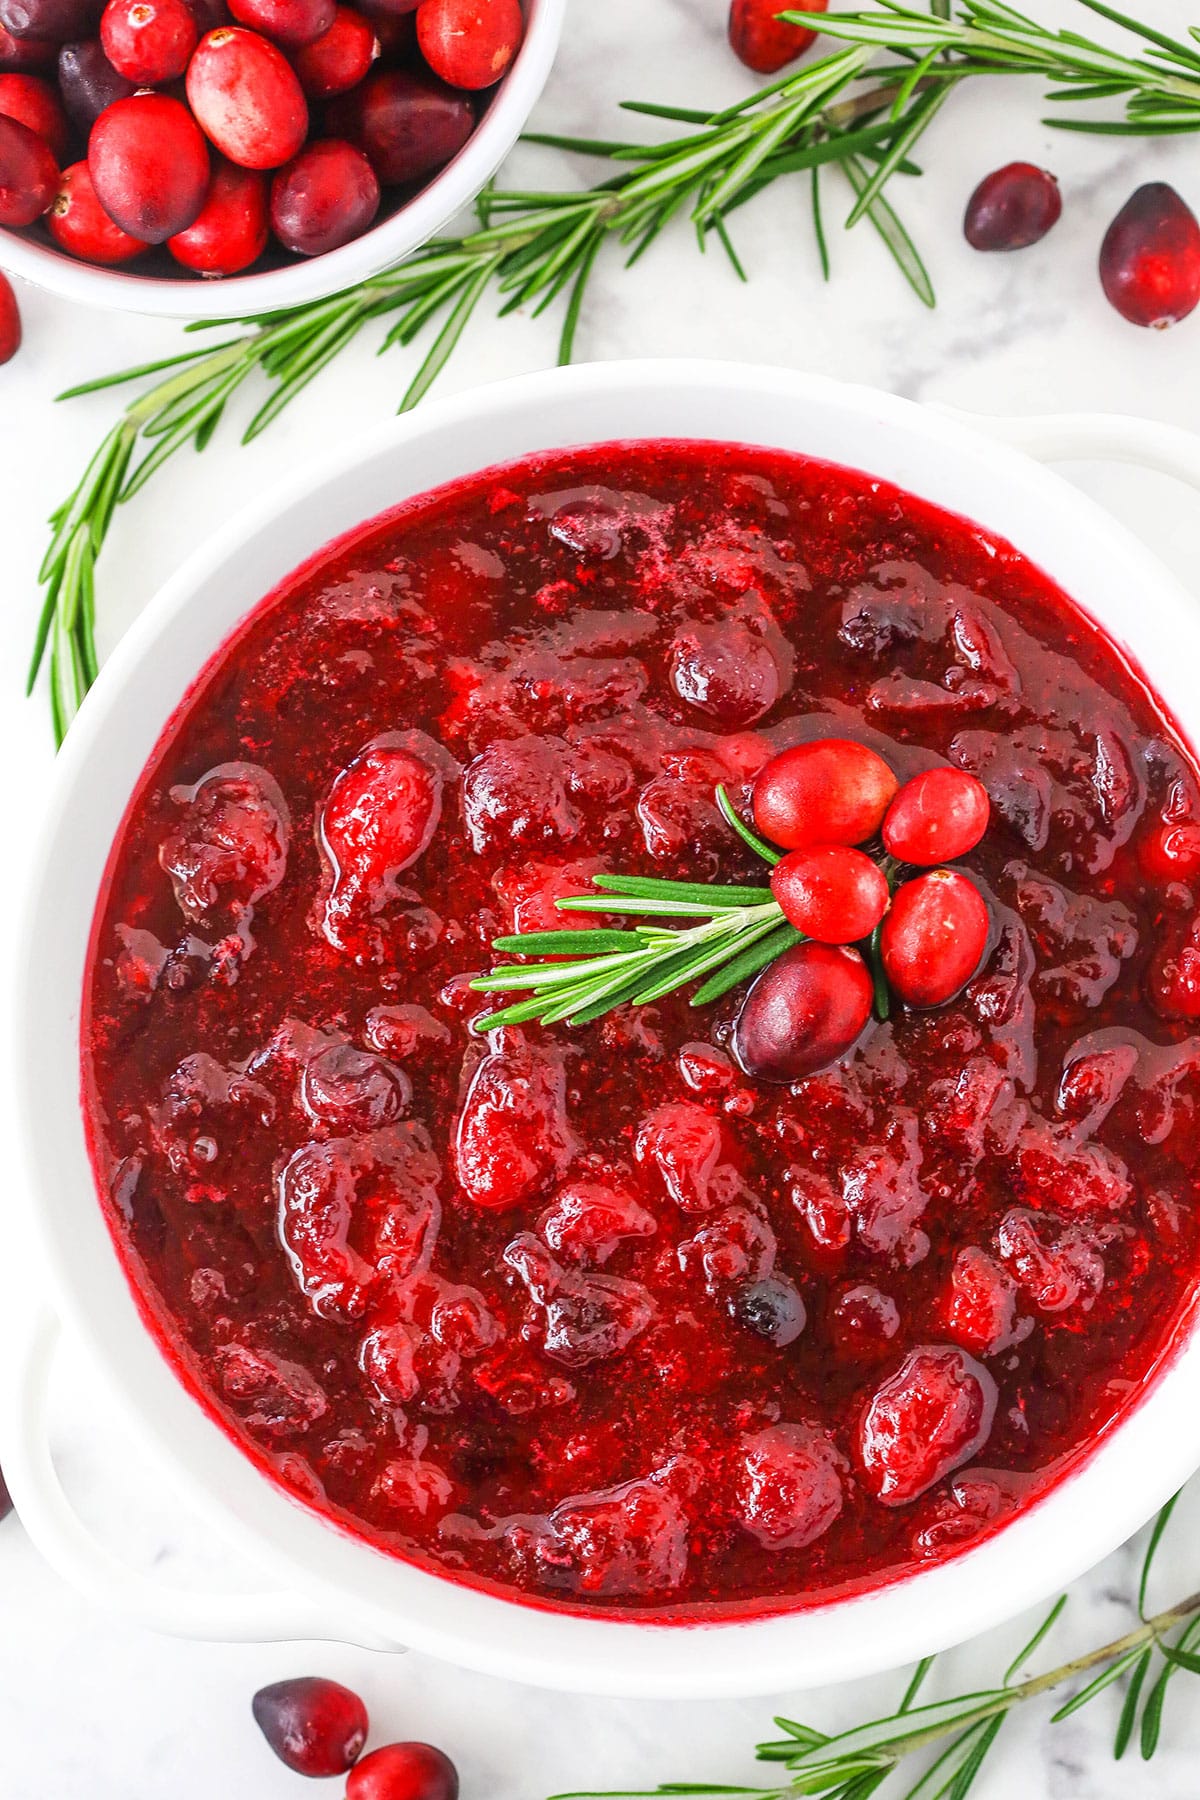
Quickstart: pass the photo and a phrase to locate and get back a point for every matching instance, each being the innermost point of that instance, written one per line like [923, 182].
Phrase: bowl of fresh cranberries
[193, 158]
[610, 1036]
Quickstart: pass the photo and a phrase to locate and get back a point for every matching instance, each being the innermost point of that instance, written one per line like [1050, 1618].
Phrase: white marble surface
[91, 1709]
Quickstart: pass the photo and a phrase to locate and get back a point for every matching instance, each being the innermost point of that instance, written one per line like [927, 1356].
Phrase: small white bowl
[176, 294]
[334, 1585]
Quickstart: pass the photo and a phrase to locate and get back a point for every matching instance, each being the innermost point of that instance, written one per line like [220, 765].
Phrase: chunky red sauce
[506, 1307]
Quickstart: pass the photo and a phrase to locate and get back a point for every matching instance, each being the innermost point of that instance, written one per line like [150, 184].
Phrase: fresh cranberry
[1150, 258]
[24, 55]
[831, 892]
[408, 123]
[286, 21]
[316, 1727]
[936, 817]
[829, 791]
[339, 59]
[470, 43]
[10, 343]
[804, 1012]
[247, 99]
[1012, 207]
[404, 1772]
[77, 222]
[148, 41]
[50, 21]
[327, 196]
[934, 937]
[231, 229]
[35, 103]
[88, 82]
[762, 40]
[924, 1421]
[28, 173]
[150, 166]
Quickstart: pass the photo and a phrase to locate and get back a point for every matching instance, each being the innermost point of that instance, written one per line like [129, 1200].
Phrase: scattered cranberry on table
[764, 42]
[1012, 208]
[10, 343]
[831, 892]
[831, 791]
[317, 1727]
[403, 1772]
[1150, 258]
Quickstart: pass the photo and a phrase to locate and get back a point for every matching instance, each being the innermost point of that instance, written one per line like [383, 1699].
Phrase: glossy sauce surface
[590, 1316]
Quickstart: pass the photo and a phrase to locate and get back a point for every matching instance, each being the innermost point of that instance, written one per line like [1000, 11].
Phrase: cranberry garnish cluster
[318, 1728]
[213, 128]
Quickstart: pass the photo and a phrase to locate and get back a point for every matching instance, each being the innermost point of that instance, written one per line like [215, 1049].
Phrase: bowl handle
[87, 1565]
[1094, 437]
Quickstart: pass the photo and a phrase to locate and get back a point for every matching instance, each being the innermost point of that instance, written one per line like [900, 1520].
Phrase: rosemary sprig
[533, 248]
[960, 1732]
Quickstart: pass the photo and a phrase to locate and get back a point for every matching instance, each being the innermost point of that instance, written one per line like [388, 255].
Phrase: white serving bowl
[331, 1584]
[173, 293]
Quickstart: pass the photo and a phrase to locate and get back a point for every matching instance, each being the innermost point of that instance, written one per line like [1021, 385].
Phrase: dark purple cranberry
[1012, 207]
[773, 1309]
[316, 1727]
[6, 1504]
[88, 82]
[409, 124]
[1150, 258]
[56, 20]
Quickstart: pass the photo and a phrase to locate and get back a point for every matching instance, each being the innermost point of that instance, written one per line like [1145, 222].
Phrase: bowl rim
[184, 296]
[1128, 1473]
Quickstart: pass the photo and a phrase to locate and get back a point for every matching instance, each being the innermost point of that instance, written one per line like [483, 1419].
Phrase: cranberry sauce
[588, 1315]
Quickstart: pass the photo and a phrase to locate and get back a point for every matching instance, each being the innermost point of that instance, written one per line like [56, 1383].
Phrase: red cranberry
[761, 40]
[936, 817]
[88, 82]
[1012, 207]
[246, 98]
[1150, 258]
[404, 1772]
[830, 791]
[863, 1321]
[77, 222]
[148, 41]
[316, 1727]
[286, 21]
[35, 103]
[804, 1011]
[408, 123]
[28, 173]
[470, 43]
[149, 165]
[10, 343]
[340, 59]
[327, 196]
[934, 937]
[831, 892]
[23, 55]
[51, 21]
[1171, 852]
[231, 229]
[927, 1419]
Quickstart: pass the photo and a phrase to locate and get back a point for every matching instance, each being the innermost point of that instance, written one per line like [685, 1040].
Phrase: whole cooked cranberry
[149, 165]
[934, 937]
[316, 1727]
[408, 123]
[286, 21]
[404, 1772]
[327, 196]
[831, 892]
[1171, 851]
[863, 1321]
[772, 1308]
[231, 229]
[762, 40]
[787, 1485]
[24, 55]
[930, 1417]
[35, 103]
[725, 670]
[804, 1011]
[936, 817]
[339, 59]
[829, 791]
[88, 82]
[28, 173]
[247, 99]
[10, 343]
[1012, 207]
[51, 21]
[77, 222]
[1150, 258]
[470, 43]
[148, 41]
